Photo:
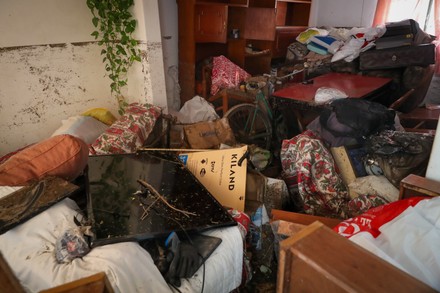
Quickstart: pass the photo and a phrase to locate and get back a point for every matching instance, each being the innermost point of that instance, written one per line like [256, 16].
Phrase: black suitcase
[421, 55]
[404, 27]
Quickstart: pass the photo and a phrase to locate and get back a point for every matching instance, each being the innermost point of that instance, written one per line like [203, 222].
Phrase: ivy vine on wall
[115, 25]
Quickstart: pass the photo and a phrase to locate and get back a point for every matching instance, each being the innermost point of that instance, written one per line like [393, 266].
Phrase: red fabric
[62, 155]
[129, 132]
[7, 156]
[320, 186]
[373, 219]
[226, 74]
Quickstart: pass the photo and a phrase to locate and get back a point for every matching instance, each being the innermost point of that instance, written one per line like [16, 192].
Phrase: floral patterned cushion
[129, 132]
[226, 74]
[320, 187]
[314, 180]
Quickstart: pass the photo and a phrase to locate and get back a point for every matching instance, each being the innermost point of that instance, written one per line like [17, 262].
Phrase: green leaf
[124, 39]
[95, 21]
[121, 49]
[95, 34]
[90, 4]
[115, 24]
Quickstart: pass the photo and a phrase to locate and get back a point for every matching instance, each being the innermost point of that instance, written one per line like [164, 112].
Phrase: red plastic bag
[373, 219]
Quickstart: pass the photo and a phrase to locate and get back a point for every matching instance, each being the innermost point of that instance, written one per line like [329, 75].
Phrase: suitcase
[421, 55]
[404, 27]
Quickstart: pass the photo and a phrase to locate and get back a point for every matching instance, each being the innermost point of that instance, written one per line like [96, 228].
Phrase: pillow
[129, 132]
[85, 127]
[63, 155]
[101, 114]
[226, 74]
[8, 155]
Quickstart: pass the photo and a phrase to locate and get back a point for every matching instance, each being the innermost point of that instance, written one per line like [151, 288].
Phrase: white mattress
[29, 250]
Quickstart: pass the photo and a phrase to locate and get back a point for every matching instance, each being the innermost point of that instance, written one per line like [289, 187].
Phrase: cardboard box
[220, 172]
[209, 134]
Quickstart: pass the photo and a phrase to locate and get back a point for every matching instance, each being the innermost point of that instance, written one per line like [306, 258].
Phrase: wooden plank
[317, 259]
[419, 186]
[8, 282]
[302, 218]
[97, 283]
[345, 167]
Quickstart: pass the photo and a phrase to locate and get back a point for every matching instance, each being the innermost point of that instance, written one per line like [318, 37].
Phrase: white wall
[169, 29]
[50, 67]
[342, 13]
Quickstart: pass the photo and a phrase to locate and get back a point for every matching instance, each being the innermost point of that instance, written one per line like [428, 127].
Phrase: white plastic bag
[197, 110]
[325, 95]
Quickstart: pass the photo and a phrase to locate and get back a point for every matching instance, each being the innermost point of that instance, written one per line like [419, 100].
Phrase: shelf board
[223, 3]
[296, 1]
[250, 55]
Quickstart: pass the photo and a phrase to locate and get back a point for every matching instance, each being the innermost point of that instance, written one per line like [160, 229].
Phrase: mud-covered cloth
[320, 187]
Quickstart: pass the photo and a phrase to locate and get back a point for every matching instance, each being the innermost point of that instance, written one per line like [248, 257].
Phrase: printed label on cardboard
[219, 171]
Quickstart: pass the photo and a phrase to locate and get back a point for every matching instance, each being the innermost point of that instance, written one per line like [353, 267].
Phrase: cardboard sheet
[219, 171]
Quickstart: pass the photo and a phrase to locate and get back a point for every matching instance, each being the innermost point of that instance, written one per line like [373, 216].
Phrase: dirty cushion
[62, 155]
[129, 132]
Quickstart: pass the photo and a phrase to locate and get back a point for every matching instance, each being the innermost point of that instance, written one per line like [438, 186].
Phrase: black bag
[356, 118]
[399, 154]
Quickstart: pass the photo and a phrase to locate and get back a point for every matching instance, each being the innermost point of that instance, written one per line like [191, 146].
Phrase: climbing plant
[115, 25]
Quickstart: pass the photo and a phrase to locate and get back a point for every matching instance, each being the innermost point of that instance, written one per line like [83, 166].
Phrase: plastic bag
[325, 95]
[101, 114]
[70, 246]
[197, 110]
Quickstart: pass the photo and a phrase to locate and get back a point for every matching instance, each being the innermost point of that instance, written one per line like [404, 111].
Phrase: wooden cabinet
[292, 18]
[265, 29]
[210, 23]
[253, 49]
[205, 30]
[293, 12]
[317, 259]
[284, 36]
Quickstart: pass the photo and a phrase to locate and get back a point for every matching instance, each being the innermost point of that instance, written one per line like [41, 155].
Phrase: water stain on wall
[42, 85]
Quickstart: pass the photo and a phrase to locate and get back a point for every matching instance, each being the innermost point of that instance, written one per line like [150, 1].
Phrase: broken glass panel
[143, 196]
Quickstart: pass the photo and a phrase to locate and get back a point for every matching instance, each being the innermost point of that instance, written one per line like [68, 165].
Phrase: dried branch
[157, 194]
[147, 209]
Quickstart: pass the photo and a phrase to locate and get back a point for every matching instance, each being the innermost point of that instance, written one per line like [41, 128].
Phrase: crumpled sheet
[29, 250]
[362, 39]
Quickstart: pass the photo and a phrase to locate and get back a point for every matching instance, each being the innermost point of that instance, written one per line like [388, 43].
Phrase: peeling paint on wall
[42, 85]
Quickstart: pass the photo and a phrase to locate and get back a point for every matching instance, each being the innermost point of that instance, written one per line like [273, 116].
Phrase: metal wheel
[250, 125]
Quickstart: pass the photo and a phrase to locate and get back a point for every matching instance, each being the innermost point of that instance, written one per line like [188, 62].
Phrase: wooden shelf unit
[205, 31]
[292, 18]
